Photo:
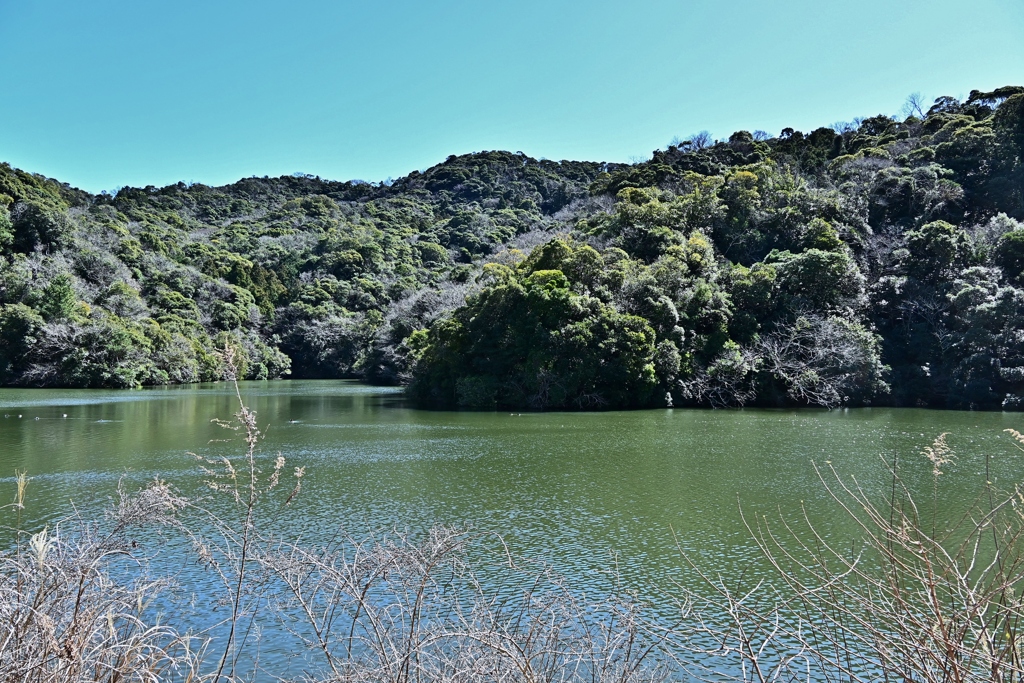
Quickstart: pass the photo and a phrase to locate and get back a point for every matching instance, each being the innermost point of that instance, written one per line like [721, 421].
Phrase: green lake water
[573, 489]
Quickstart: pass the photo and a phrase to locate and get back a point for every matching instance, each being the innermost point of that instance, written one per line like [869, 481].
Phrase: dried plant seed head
[1017, 436]
[939, 454]
[41, 543]
[22, 479]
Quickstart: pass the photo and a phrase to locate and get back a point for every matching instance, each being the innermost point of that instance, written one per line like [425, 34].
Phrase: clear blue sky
[110, 92]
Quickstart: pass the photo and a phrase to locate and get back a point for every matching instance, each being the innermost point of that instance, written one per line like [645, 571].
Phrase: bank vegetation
[878, 261]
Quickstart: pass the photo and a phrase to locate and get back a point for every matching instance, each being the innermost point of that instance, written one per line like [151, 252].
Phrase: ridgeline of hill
[876, 262]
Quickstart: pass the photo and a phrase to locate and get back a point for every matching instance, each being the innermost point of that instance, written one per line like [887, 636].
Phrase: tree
[914, 106]
[528, 341]
[1009, 254]
[58, 298]
[6, 226]
[699, 141]
[823, 361]
[1008, 122]
[39, 226]
[937, 251]
[817, 280]
[19, 326]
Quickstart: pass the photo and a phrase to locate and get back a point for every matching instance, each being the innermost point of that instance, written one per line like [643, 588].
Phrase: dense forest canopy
[875, 262]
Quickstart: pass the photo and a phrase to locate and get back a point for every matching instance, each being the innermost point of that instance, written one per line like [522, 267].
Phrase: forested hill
[876, 262]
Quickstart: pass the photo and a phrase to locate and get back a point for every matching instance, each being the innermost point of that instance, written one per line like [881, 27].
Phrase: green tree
[527, 341]
[58, 298]
[816, 279]
[1009, 254]
[39, 226]
[6, 226]
[937, 251]
[19, 325]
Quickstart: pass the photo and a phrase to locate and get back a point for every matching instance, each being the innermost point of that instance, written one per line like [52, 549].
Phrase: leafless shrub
[519, 248]
[910, 602]
[986, 235]
[399, 609]
[932, 312]
[230, 543]
[878, 256]
[423, 307]
[583, 207]
[820, 360]
[724, 383]
[68, 614]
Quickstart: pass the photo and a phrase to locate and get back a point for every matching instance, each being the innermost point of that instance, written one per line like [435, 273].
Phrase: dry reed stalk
[68, 615]
[398, 609]
[909, 604]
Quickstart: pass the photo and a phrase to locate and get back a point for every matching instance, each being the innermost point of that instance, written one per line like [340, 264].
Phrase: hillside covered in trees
[876, 262]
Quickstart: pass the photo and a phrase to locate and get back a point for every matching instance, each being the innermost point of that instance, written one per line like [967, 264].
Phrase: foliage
[671, 273]
[530, 340]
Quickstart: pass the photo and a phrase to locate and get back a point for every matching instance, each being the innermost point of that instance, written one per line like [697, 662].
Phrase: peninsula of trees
[877, 262]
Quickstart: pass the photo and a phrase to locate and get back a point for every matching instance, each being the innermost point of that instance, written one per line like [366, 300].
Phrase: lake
[582, 491]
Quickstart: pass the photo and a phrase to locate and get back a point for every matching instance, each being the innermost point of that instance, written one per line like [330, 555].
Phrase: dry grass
[908, 602]
[68, 614]
[398, 609]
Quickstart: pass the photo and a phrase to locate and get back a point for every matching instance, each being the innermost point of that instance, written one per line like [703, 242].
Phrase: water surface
[583, 491]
